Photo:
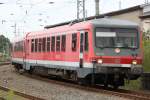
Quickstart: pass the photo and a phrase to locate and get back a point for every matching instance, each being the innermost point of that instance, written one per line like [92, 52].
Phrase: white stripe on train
[65, 63]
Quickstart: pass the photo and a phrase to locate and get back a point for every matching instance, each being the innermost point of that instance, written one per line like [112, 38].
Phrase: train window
[74, 42]
[15, 47]
[63, 43]
[36, 45]
[81, 42]
[18, 46]
[116, 38]
[86, 43]
[48, 44]
[44, 44]
[27, 45]
[40, 45]
[53, 44]
[32, 45]
[58, 43]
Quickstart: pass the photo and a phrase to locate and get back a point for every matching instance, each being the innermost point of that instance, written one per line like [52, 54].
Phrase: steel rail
[16, 92]
[129, 94]
[21, 94]
[4, 63]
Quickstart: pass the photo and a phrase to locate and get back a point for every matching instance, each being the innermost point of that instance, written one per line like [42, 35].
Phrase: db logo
[117, 50]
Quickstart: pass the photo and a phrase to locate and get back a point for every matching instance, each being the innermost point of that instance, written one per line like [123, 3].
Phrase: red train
[100, 51]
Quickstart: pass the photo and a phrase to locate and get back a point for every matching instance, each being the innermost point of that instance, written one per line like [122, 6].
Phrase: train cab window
[44, 44]
[36, 45]
[86, 43]
[63, 43]
[32, 45]
[74, 42]
[58, 43]
[53, 44]
[40, 45]
[116, 38]
[48, 44]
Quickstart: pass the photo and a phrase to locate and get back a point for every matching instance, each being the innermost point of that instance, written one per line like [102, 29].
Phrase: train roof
[85, 24]
[100, 21]
[113, 22]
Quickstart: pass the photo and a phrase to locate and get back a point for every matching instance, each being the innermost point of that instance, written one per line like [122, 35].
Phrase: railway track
[29, 97]
[134, 95]
[4, 63]
[20, 94]
[140, 95]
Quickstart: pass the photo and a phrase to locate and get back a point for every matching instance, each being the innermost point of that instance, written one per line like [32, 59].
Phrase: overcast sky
[31, 15]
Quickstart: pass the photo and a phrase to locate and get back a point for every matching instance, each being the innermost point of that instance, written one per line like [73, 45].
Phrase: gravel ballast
[49, 91]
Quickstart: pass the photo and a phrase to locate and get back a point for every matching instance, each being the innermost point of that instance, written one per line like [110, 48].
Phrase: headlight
[134, 62]
[100, 61]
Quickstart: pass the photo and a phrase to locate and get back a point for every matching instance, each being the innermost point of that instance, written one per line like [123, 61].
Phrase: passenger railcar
[100, 51]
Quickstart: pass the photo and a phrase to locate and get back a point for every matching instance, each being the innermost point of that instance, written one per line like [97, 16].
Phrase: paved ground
[9, 78]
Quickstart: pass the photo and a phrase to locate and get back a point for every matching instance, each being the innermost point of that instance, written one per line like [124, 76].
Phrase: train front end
[117, 52]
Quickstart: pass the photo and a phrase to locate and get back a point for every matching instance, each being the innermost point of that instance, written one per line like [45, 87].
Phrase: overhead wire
[25, 16]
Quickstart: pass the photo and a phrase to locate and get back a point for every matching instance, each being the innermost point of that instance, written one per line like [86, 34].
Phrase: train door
[26, 53]
[84, 46]
[27, 48]
[81, 48]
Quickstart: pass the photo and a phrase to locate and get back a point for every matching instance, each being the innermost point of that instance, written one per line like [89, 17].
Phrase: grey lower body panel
[98, 69]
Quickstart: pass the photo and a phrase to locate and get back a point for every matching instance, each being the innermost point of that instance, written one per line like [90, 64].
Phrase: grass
[133, 85]
[10, 96]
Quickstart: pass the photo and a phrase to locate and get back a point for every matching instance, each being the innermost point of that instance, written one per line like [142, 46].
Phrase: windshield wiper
[100, 46]
[133, 47]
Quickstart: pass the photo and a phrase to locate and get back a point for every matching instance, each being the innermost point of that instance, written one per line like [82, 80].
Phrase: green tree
[146, 35]
[5, 46]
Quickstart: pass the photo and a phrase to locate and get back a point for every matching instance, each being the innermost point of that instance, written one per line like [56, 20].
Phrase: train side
[101, 51]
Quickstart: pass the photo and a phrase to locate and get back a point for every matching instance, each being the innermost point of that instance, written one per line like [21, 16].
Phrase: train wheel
[105, 85]
[21, 71]
[73, 76]
[115, 86]
[84, 82]
[31, 70]
[81, 81]
[16, 67]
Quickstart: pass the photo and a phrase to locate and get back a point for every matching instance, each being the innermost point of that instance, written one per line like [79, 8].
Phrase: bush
[146, 35]
[146, 61]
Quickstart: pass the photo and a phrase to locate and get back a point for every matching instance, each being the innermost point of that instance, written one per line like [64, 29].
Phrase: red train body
[101, 51]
